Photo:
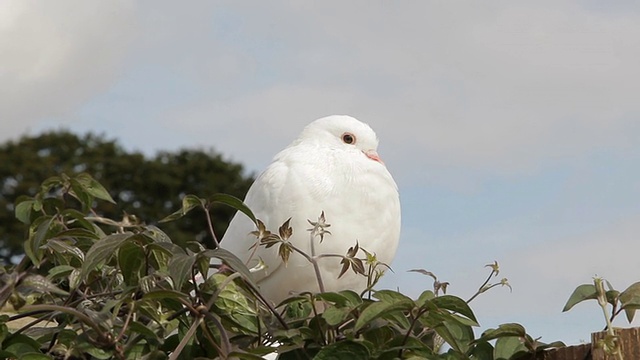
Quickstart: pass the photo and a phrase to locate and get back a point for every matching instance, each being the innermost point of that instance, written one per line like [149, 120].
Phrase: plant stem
[187, 337]
[413, 323]
[73, 312]
[126, 322]
[481, 289]
[216, 243]
[314, 261]
[224, 337]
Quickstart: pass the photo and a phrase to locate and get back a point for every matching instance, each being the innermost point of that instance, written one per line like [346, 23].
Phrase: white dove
[332, 167]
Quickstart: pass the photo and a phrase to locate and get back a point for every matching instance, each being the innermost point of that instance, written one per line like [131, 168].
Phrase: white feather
[320, 172]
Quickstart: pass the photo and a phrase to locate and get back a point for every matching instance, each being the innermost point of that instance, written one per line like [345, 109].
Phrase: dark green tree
[149, 188]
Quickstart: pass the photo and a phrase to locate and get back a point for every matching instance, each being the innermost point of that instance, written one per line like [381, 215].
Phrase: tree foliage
[98, 288]
[147, 187]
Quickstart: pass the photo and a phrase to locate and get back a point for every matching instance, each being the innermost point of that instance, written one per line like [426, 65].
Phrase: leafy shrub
[147, 186]
[97, 287]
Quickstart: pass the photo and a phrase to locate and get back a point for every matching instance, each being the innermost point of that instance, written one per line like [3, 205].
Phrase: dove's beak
[373, 155]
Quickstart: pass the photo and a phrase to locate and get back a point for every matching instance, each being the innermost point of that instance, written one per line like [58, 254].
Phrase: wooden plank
[629, 340]
[575, 352]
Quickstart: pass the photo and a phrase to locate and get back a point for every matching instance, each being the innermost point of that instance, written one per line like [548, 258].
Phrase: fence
[629, 340]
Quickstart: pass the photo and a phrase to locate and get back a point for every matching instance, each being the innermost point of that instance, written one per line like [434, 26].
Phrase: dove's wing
[263, 200]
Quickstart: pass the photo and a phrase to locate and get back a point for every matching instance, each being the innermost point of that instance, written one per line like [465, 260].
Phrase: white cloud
[450, 88]
[497, 90]
[56, 56]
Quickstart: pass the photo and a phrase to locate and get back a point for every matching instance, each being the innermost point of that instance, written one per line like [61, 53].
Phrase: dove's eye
[349, 138]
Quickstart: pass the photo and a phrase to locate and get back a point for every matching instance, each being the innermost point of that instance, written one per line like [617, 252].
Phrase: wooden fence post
[629, 340]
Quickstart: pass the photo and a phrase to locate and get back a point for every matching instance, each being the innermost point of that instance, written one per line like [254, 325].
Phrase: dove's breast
[358, 197]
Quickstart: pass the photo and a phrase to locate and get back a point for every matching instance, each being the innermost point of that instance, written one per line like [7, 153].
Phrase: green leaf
[482, 351]
[136, 327]
[157, 235]
[78, 233]
[233, 304]
[508, 347]
[59, 271]
[630, 300]
[131, 260]
[202, 266]
[32, 245]
[74, 278]
[335, 315]
[332, 297]
[382, 308]
[50, 183]
[454, 304]
[180, 268]
[160, 253]
[81, 194]
[84, 346]
[424, 298]
[631, 295]
[62, 247]
[382, 338]
[353, 298]
[391, 296]
[164, 294]
[93, 187]
[503, 330]
[458, 336]
[195, 246]
[20, 344]
[581, 293]
[233, 261]
[35, 356]
[7, 355]
[612, 296]
[630, 312]
[166, 248]
[23, 211]
[398, 318]
[296, 307]
[244, 356]
[40, 284]
[189, 202]
[343, 350]
[235, 203]
[102, 251]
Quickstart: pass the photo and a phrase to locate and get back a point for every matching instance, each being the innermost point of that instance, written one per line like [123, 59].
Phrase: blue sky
[512, 129]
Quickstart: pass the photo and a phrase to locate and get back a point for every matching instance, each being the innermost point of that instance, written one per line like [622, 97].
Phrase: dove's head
[345, 133]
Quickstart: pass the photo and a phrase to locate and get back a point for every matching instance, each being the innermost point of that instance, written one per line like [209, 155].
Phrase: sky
[511, 128]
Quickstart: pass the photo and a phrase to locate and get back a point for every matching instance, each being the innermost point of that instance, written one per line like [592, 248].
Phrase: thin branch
[224, 337]
[187, 337]
[314, 262]
[481, 289]
[126, 321]
[315, 315]
[406, 336]
[80, 316]
[216, 243]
